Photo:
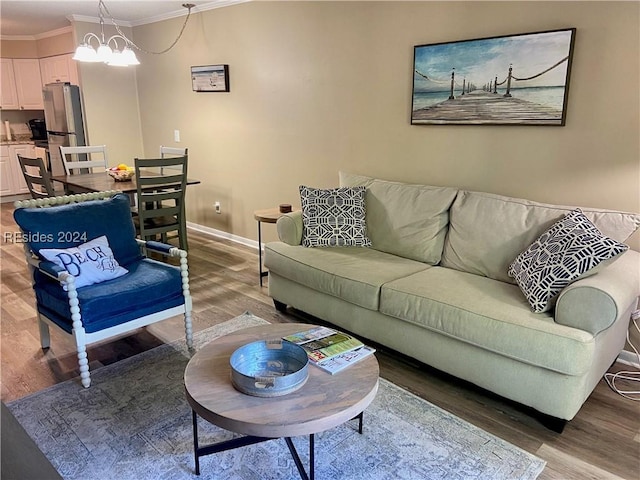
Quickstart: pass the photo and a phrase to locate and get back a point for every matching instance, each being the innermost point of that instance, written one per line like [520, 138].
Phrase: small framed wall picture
[210, 78]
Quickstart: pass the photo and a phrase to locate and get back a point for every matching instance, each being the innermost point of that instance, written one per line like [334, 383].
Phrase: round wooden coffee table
[323, 402]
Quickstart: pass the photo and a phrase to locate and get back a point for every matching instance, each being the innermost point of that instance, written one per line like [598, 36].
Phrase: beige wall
[321, 86]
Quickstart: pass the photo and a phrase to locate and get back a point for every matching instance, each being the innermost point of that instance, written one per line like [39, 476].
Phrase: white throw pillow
[334, 217]
[569, 250]
[91, 262]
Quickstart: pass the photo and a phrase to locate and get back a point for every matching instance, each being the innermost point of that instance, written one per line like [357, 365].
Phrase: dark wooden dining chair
[160, 198]
[37, 177]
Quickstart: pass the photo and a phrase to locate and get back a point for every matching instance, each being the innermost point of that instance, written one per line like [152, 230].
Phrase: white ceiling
[33, 18]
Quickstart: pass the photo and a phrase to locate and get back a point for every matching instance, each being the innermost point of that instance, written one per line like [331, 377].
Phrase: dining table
[102, 181]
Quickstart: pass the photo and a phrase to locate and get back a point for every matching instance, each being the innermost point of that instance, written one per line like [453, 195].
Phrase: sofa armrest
[289, 228]
[594, 303]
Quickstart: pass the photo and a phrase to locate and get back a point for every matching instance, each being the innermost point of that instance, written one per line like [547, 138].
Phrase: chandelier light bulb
[86, 53]
[130, 56]
[104, 53]
[117, 59]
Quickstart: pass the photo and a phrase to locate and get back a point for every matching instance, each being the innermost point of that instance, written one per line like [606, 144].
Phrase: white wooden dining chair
[84, 159]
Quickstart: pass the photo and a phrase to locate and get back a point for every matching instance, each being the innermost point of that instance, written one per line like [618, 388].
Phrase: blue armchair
[132, 291]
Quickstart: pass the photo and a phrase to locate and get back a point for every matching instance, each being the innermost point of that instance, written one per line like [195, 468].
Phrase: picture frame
[210, 78]
[520, 79]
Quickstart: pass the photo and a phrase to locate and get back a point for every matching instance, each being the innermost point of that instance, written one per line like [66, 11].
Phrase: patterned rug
[134, 423]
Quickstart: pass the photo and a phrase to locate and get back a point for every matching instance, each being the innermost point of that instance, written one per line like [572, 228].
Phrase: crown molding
[123, 23]
[53, 33]
[159, 18]
[89, 19]
[183, 12]
[40, 36]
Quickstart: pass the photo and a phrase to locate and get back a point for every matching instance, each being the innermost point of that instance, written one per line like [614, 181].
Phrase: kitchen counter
[17, 140]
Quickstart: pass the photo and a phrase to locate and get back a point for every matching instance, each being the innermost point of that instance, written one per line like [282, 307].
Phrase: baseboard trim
[628, 358]
[222, 234]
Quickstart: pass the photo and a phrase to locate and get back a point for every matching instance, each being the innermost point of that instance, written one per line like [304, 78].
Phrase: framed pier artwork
[509, 80]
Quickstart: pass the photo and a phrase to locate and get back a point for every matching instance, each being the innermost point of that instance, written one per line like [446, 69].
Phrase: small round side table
[268, 215]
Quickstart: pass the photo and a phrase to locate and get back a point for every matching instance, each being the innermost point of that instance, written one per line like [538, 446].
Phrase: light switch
[176, 135]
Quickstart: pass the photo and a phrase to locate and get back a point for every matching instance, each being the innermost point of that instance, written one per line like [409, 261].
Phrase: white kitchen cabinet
[26, 86]
[28, 83]
[6, 172]
[59, 68]
[12, 181]
[8, 94]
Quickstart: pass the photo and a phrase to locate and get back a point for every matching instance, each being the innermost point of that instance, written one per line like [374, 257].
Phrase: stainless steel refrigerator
[63, 117]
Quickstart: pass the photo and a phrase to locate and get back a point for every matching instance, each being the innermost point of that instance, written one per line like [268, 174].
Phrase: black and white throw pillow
[333, 217]
[569, 250]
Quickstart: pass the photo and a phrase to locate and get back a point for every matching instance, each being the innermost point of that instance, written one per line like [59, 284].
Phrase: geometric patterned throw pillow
[567, 251]
[333, 217]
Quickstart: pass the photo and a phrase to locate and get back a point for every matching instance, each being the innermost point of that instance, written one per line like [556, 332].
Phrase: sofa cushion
[351, 273]
[403, 219]
[490, 314]
[571, 248]
[487, 232]
[333, 217]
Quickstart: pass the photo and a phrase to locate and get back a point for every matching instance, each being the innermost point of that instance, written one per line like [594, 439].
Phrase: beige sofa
[434, 286]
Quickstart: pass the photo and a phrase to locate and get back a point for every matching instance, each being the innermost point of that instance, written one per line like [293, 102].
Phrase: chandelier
[108, 51]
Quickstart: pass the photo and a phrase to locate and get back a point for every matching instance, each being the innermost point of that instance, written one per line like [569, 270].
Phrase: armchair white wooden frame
[82, 338]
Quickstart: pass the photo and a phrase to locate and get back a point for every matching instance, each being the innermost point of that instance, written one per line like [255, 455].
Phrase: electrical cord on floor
[628, 375]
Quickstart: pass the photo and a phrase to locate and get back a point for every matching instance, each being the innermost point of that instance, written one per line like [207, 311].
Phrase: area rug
[134, 423]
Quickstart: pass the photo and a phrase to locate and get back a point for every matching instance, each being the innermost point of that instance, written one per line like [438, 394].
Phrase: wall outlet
[217, 207]
[176, 135]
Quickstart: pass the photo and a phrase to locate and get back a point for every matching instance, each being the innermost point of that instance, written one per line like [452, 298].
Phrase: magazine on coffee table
[318, 355]
[323, 344]
[309, 335]
[344, 360]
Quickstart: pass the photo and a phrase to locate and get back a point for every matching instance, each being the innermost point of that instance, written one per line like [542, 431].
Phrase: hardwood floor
[601, 442]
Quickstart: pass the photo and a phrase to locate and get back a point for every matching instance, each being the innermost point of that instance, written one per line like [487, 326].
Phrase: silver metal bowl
[269, 368]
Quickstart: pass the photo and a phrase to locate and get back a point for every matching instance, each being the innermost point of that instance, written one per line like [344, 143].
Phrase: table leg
[260, 251]
[250, 440]
[296, 458]
[220, 446]
[262, 272]
[195, 441]
[312, 457]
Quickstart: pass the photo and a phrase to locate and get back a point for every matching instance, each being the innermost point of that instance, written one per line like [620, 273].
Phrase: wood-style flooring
[601, 442]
